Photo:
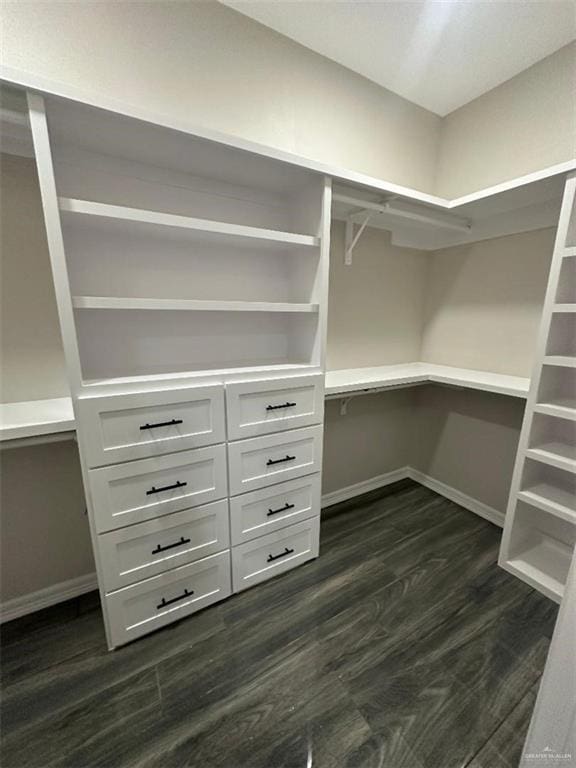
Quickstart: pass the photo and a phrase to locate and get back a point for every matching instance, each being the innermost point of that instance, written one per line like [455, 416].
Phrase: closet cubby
[561, 340]
[553, 441]
[550, 488]
[540, 549]
[566, 293]
[557, 391]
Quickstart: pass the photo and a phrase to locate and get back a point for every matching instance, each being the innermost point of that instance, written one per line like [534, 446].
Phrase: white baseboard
[343, 494]
[20, 606]
[35, 601]
[478, 507]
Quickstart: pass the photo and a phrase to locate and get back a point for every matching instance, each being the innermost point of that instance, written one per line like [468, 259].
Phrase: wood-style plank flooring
[402, 646]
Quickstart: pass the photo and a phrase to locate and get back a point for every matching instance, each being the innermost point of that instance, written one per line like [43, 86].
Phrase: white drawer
[139, 551]
[260, 407]
[135, 426]
[148, 605]
[261, 512]
[140, 490]
[267, 460]
[258, 560]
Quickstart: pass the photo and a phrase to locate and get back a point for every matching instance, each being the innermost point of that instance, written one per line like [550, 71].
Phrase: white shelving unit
[540, 529]
[191, 281]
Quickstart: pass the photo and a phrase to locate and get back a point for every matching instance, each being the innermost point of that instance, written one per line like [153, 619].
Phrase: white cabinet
[135, 426]
[260, 407]
[191, 279]
[260, 512]
[267, 556]
[155, 602]
[140, 490]
[140, 551]
[274, 458]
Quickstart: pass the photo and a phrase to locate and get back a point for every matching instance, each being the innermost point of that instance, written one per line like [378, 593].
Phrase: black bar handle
[282, 554]
[282, 509]
[164, 602]
[270, 462]
[276, 407]
[178, 484]
[171, 546]
[162, 424]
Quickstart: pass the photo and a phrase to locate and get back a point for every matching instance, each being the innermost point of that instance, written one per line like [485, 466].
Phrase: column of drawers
[274, 463]
[158, 482]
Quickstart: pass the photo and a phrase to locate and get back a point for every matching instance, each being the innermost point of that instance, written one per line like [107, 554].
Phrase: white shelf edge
[561, 361]
[111, 302]
[564, 307]
[552, 409]
[547, 505]
[363, 380]
[536, 578]
[552, 459]
[569, 251]
[26, 419]
[74, 206]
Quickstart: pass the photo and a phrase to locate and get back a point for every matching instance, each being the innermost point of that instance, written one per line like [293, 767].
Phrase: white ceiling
[440, 54]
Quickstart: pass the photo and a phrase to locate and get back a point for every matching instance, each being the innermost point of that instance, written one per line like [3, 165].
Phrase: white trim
[365, 486]
[453, 494]
[44, 598]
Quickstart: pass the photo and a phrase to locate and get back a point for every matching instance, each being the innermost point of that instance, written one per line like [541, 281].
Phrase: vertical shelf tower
[540, 529]
[191, 281]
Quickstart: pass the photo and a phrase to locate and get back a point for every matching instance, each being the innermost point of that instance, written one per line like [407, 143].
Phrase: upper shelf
[358, 380]
[112, 302]
[153, 222]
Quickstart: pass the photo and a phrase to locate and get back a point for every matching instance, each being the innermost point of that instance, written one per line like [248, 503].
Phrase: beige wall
[484, 301]
[31, 355]
[525, 124]
[374, 437]
[468, 440]
[44, 531]
[376, 305]
[203, 62]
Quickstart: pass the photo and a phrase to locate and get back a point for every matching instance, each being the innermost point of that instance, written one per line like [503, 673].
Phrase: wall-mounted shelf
[365, 380]
[163, 224]
[111, 302]
[35, 418]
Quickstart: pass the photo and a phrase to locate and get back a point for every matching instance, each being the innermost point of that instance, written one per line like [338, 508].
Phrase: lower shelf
[544, 566]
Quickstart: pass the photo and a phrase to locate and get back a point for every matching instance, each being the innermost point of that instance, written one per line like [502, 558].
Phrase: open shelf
[557, 392]
[550, 488]
[561, 308]
[111, 302]
[544, 566]
[556, 454]
[563, 361]
[550, 499]
[154, 222]
[36, 417]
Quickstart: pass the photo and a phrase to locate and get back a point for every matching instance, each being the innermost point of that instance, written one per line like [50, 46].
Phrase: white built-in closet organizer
[191, 280]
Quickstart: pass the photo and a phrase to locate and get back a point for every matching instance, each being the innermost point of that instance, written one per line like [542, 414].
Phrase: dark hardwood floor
[403, 645]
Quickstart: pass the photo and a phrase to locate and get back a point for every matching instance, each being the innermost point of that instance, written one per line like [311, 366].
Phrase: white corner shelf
[34, 418]
[154, 222]
[112, 302]
[364, 380]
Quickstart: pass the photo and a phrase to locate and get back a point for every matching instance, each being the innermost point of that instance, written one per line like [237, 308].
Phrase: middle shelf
[113, 302]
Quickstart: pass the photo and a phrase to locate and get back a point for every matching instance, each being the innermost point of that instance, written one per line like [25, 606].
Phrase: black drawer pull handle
[282, 509]
[164, 603]
[162, 424]
[287, 551]
[276, 407]
[270, 462]
[165, 488]
[171, 546]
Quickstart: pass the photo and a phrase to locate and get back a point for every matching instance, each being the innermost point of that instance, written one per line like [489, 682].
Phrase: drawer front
[261, 407]
[275, 553]
[131, 554]
[148, 605]
[264, 461]
[141, 490]
[260, 512]
[135, 426]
